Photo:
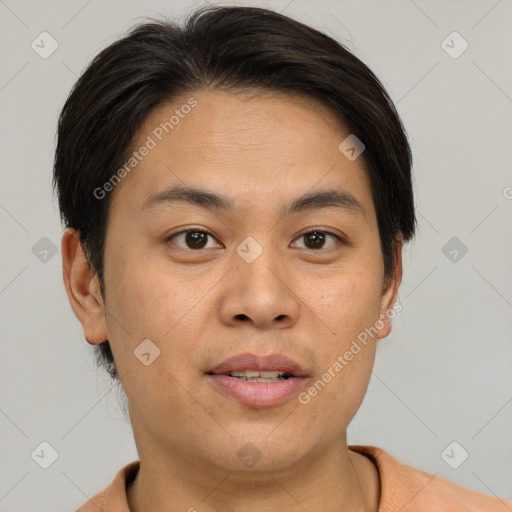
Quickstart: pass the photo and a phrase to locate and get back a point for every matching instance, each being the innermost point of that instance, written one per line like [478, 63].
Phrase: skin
[309, 304]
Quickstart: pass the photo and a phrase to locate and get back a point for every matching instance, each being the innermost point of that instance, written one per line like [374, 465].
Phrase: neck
[334, 479]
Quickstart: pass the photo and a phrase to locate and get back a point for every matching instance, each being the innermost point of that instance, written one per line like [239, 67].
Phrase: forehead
[233, 122]
[244, 145]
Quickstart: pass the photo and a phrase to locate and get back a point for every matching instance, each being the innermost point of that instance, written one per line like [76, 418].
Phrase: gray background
[443, 375]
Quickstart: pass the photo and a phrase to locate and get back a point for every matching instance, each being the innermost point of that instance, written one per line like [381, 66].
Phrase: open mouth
[258, 380]
[258, 388]
[258, 375]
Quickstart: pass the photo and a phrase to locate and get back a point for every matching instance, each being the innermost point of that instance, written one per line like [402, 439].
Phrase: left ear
[390, 292]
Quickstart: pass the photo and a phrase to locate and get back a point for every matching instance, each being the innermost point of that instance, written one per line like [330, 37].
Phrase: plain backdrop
[442, 376]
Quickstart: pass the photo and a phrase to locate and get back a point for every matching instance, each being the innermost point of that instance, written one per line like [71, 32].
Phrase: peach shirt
[403, 488]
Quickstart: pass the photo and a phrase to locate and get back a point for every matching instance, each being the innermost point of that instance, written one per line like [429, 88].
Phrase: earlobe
[390, 292]
[82, 288]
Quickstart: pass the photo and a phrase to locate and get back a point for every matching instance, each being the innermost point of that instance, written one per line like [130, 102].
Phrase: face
[205, 283]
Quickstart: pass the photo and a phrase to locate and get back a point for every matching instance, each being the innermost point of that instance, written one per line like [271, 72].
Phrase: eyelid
[327, 231]
[340, 239]
[190, 230]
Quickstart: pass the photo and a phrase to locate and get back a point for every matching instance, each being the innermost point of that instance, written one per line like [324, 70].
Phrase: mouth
[258, 375]
[250, 366]
[258, 381]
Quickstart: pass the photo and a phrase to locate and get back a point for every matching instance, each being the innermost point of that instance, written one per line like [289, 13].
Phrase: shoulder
[95, 503]
[113, 498]
[408, 489]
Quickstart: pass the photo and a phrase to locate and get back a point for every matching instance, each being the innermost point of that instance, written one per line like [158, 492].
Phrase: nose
[260, 293]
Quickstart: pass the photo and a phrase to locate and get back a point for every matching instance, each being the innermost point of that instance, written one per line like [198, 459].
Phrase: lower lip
[258, 394]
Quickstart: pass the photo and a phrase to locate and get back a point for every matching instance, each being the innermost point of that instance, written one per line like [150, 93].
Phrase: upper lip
[270, 362]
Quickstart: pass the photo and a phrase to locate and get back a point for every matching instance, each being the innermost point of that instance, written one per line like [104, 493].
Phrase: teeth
[246, 373]
[258, 373]
[270, 374]
[260, 379]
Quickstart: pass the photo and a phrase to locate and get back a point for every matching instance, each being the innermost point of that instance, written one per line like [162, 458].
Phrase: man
[236, 195]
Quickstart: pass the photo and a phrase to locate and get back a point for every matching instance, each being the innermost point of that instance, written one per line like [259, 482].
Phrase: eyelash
[340, 240]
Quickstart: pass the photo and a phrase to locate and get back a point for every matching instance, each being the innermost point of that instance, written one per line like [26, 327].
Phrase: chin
[258, 448]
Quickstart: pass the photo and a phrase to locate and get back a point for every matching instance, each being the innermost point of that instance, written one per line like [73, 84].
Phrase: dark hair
[231, 49]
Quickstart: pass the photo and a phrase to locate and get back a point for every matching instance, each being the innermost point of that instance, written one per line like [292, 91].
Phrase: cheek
[346, 303]
[149, 300]
[345, 309]
[150, 296]
[146, 302]
[349, 310]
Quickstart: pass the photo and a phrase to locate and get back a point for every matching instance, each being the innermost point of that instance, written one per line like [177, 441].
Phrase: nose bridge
[262, 293]
[261, 261]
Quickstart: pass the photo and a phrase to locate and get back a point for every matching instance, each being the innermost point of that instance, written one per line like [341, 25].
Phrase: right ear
[83, 290]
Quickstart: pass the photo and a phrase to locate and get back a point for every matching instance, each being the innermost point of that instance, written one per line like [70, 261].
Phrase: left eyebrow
[330, 198]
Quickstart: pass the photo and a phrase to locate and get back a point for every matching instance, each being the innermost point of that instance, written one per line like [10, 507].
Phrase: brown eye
[193, 239]
[315, 240]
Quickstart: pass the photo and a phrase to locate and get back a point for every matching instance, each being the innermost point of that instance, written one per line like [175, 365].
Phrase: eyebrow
[329, 198]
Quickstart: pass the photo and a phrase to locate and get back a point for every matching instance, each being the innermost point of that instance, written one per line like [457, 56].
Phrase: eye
[315, 240]
[197, 239]
[194, 239]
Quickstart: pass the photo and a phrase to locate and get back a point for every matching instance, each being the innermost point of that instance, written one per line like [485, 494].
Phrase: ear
[82, 289]
[390, 292]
